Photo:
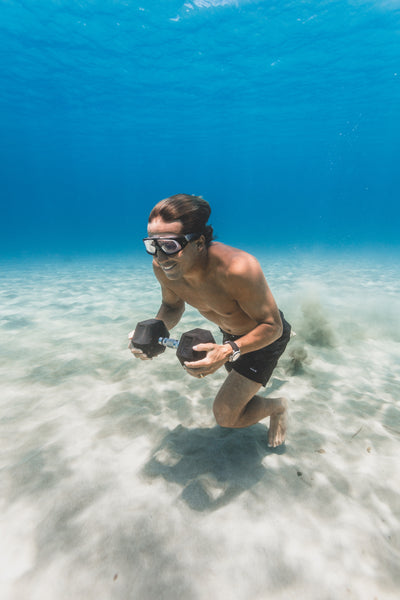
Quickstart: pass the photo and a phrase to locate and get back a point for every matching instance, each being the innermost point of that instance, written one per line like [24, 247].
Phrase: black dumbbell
[152, 337]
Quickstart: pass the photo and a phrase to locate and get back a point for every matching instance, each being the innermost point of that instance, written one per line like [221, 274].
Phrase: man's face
[177, 265]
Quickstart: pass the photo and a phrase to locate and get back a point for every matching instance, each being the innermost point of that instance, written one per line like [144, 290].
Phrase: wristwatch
[236, 351]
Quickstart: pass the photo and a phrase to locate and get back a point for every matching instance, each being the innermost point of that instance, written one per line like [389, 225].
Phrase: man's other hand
[137, 353]
[217, 355]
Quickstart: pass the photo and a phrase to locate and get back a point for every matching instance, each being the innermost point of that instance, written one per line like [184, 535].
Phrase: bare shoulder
[234, 263]
[241, 276]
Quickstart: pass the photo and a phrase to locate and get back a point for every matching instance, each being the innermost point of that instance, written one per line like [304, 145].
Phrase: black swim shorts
[258, 365]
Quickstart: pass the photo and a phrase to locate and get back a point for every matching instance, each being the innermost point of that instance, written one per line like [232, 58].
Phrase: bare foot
[278, 424]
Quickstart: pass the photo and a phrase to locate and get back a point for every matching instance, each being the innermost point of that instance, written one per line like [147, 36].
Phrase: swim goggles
[170, 245]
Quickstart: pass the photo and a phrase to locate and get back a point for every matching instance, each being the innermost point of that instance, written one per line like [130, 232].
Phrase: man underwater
[228, 287]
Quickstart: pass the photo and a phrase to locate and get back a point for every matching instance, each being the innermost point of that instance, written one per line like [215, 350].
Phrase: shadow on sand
[213, 466]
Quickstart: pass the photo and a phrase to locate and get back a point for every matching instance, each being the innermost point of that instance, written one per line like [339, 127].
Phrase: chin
[172, 274]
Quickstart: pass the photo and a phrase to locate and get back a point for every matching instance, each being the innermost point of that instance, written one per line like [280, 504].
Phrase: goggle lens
[167, 246]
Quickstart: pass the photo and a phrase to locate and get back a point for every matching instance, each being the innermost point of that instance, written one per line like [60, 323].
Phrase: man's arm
[171, 310]
[172, 307]
[170, 313]
[247, 285]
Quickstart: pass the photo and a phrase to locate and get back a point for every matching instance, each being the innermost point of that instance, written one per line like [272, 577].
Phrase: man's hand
[217, 355]
[137, 353]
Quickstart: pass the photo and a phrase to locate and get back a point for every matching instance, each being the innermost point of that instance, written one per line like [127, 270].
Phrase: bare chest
[216, 305]
[209, 299]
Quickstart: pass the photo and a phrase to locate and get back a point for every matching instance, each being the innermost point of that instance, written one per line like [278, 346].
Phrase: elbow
[181, 310]
[278, 331]
[279, 327]
[177, 312]
[178, 308]
[275, 328]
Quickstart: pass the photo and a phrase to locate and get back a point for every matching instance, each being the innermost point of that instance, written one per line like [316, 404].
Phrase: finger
[197, 364]
[191, 369]
[135, 350]
[139, 354]
[204, 347]
[131, 334]
[195, 374]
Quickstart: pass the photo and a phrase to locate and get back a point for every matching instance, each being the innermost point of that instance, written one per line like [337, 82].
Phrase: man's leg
[237, 405]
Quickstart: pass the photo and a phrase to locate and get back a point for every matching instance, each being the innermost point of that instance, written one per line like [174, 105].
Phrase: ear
[201, 242]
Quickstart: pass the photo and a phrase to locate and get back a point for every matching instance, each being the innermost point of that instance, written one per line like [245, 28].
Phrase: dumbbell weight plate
[147, 334]
[191, 338]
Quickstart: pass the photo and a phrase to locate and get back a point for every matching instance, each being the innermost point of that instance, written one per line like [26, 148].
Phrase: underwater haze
[116, 483]
[284, 116]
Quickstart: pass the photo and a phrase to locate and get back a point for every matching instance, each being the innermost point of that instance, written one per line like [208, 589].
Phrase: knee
[224, 416]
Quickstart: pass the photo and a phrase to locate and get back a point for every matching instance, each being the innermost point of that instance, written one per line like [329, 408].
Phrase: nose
[160, 255]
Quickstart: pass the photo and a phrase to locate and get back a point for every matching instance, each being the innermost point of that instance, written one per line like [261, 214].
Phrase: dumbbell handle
[184, 346]
[168, 342]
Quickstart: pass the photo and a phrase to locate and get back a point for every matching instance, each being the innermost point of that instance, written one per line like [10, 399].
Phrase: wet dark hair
[192, 211]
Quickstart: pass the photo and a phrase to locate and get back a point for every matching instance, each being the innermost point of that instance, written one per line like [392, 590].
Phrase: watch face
[235, 355]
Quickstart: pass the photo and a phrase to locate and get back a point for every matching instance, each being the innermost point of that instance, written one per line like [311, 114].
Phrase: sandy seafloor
[116, 482]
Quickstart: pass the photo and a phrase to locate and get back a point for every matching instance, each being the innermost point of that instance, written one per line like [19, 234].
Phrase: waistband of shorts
[230, 336]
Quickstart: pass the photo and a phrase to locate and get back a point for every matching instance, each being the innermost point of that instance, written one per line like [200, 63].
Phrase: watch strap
[236, 350]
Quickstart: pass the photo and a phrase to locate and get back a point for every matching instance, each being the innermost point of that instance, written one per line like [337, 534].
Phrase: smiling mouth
[167, 267]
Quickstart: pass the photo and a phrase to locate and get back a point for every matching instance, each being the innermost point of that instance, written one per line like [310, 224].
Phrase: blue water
[284, 116]
[115, 481]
